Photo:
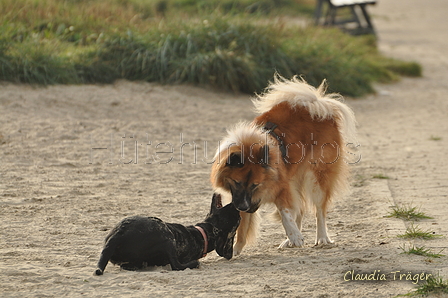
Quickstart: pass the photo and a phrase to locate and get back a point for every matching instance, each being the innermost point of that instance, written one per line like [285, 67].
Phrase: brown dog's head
[246, 168]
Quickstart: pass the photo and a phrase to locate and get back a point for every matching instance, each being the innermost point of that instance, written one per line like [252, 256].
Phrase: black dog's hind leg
[174, 260]
[132, 266]
[106, 254]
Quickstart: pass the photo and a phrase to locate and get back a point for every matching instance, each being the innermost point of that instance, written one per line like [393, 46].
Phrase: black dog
[140, 241]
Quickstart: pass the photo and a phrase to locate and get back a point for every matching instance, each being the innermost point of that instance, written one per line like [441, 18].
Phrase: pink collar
[204, 253]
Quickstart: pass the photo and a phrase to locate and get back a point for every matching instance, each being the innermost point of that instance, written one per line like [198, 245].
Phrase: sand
[75, 160]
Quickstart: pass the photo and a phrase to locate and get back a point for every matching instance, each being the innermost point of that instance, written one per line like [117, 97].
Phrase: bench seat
[358, 21]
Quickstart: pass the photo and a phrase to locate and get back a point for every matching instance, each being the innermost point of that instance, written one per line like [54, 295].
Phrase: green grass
[407, 212]
[435, 138]
[436, 286]
[421, 251]
[414, 232]
[380, 176]
[359, 180]
[262, 7]
[99, 41]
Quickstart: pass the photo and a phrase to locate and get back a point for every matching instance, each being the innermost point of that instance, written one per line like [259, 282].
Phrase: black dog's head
[225, 220]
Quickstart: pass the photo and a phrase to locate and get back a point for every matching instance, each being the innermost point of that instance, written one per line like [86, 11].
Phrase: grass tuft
[436, 286]
[421, 251]
[414, 232]
[435, 138]
[359, 180]
[380, 176]
[407, 212]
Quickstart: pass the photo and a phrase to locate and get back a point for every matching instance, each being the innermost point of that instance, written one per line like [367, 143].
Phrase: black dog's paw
[190, 265]
[98, 272]
[193, 264]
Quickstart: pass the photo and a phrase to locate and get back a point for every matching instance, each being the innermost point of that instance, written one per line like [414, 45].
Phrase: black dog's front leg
[192, 265]
[174, 260]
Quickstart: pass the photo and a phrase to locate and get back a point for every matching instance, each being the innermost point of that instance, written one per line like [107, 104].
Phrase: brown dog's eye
[234, 182]
[235, 160]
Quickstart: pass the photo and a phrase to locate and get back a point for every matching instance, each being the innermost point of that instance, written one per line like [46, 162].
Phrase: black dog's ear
[264, 155]
[216, 202]
[235, 160]
[225, 237]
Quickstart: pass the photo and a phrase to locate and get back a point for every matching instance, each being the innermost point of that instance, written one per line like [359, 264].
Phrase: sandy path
[58, 196]
[405, 127]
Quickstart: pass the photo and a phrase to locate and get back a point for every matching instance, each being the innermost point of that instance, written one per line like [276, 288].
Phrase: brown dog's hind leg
[320, 189]
[321, 201]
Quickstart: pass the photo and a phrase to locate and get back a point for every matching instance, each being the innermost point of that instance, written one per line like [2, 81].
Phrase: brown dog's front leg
[295, 238]
[247, 231]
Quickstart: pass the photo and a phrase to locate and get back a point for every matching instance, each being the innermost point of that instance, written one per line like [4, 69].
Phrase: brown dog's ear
[235, 159]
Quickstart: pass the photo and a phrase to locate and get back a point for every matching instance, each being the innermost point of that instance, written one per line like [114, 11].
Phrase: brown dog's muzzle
[242, 199]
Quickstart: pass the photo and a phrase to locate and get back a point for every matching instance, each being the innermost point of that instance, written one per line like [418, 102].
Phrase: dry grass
[75, 41]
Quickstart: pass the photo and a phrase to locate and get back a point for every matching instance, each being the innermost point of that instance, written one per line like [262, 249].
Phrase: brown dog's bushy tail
[320, 105]
[106, 254]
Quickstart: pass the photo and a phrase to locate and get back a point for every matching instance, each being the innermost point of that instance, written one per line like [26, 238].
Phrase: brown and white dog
[293, 153]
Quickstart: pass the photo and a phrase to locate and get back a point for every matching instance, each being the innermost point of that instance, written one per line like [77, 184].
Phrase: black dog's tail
[106, 254]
